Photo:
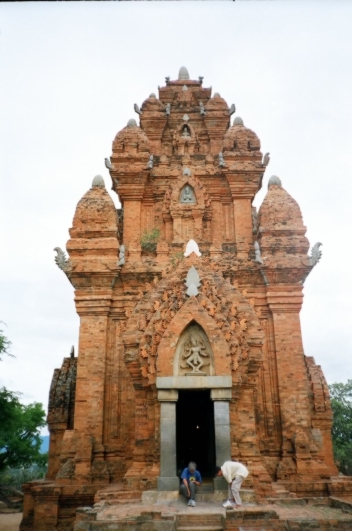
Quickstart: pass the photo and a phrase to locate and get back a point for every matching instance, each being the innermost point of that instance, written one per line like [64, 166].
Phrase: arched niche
[194, 354]
[184, 220]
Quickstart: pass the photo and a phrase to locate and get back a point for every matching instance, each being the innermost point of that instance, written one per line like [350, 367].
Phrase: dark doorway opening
[195, 434]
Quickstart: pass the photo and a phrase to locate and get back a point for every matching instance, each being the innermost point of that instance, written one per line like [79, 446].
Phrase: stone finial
[200, 79]
[152, 95]
[192, 282]
[167, 80]
[98, 181]
[217, 95]
[183, 74]
[274, 180]
[72, 352]
[187, 172]
[238, 121]
[192, 247]
[132, 123]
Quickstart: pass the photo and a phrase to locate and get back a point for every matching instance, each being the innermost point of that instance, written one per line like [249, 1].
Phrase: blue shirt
[191, 476]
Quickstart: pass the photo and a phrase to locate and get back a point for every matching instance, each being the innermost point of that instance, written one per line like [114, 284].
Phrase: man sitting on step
[191, 480]
[234, 473]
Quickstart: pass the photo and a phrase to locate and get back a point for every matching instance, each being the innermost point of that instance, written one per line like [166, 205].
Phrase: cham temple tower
[190, 344]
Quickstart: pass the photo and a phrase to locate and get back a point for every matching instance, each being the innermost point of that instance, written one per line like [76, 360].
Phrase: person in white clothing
[234, 473]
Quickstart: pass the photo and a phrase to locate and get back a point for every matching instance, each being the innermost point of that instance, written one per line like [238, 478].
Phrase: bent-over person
[234, 473]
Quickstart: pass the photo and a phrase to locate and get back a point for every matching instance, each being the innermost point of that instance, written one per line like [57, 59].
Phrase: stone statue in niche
[194, 352]
[187, 195]
[185, 131]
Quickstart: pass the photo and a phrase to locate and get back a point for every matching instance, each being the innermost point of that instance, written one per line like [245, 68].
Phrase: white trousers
[234, 489]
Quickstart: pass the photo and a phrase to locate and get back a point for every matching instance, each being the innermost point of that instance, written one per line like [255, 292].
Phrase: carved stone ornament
[258, 256]
[187, 195]
[192, 282]
[185, 131]
[150, 162]
[315, 254]
[192, 247]
[222, 163]
[61, 260]
[122, 255]
[194, 355]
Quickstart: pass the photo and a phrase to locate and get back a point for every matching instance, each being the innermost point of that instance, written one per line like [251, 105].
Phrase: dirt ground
[10, 521]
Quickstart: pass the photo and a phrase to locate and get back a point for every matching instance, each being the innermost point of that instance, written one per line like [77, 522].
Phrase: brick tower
[190, 343]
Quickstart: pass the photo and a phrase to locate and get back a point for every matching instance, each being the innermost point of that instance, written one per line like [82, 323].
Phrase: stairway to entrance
[200, 522]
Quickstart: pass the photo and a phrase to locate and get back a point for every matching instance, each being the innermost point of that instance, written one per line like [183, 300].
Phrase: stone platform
[319, 514]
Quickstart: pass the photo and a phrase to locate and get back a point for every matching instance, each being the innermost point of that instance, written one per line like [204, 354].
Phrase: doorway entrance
[195, 434]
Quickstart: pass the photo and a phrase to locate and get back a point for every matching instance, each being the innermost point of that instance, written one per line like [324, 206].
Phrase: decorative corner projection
[315, 254]
[222, 163]
[150, 162]
[192, 282]
[266, 159]
[108, 164]
[312, 260]
[61, 260]
[192, 247]
[258, 256]
[122, 255]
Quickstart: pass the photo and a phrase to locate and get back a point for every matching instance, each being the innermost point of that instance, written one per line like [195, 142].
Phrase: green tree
[20, 432]
[4, 345]
[341, 403]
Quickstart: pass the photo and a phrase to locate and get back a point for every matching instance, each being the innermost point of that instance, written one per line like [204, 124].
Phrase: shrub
[149, 240]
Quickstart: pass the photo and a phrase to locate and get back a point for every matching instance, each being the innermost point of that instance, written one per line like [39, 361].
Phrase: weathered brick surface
[212, 517]
[104, 413]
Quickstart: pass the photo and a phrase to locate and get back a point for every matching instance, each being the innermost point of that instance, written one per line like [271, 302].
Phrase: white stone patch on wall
[192, 247]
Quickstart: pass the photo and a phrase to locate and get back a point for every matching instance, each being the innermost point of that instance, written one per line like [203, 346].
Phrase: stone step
[124, 501]
[158, 497]
[199, 521]
[201, 528]
[206, 487]
[281, 494]
[247, 496]
[118, 496]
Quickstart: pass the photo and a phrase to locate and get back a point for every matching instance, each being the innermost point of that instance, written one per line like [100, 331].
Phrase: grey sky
[69, 76]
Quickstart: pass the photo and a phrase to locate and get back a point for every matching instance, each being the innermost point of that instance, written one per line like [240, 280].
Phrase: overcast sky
[69, 76]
